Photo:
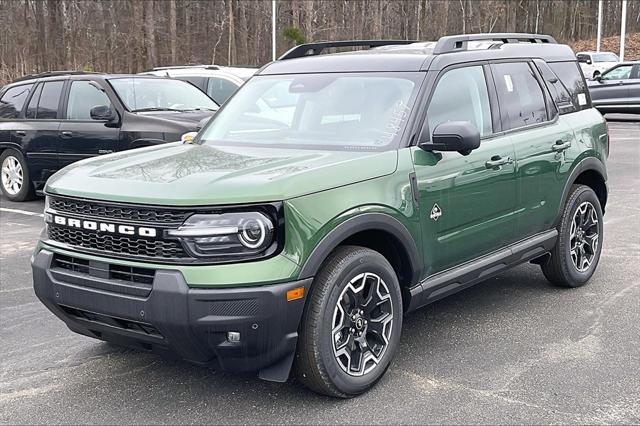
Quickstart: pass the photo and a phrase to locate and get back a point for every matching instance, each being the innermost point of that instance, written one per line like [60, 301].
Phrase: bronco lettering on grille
[92, 225]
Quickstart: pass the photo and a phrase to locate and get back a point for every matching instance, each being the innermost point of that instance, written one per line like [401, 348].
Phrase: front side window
[338, 111]
[160, 94]
[583, 58]
[605, 57]
[461, 95]
[619, 73]
[571, 77]
[84, 95]
[13, 100]
[520, 95]
[220, 89]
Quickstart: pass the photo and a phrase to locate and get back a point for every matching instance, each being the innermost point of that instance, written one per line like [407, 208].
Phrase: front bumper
[177, 321]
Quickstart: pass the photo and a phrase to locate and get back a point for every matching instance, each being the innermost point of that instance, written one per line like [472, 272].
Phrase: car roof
[70, 75]
[418, 56]
[191, 72]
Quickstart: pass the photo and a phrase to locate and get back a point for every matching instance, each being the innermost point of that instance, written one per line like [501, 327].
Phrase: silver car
[617, 89]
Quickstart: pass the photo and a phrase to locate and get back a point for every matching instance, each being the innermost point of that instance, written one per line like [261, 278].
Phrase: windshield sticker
[508, 82]
[397, 118]
[582, 99]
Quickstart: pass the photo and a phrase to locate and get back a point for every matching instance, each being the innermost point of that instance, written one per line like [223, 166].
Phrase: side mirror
[188, 137]
[461, 136]
[103, 113]
[588, 62]
[598, 78]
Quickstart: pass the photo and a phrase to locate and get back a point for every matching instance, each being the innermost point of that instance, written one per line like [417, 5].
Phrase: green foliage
[294, 34]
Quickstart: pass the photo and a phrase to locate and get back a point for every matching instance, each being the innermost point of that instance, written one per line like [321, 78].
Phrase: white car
[595, 63]
[216, 81]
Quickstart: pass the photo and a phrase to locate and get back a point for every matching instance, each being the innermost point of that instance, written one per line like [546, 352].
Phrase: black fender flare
[363, 222]
[590, 163]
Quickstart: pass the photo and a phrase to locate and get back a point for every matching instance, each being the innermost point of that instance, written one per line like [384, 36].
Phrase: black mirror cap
[102, 113]
[460, 136]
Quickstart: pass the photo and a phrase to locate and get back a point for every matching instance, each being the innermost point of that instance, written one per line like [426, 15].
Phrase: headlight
[227, 235]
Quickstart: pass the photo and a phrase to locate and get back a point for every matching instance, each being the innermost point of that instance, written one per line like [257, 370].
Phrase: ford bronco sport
[328, 197]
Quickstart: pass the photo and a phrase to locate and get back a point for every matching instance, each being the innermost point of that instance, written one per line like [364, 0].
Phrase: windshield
[349, 111]
[160, 94]
[605, 57]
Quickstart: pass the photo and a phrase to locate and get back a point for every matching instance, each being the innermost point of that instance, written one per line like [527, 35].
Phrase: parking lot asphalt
[510, 350]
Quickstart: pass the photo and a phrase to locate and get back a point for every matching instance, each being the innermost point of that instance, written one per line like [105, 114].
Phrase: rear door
[539, 138]
[613, 87]
[38, 132]
[80, 136]
[11, 104]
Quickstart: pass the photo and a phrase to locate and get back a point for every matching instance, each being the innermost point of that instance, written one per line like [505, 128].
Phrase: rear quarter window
[570, 76]
[13, 100]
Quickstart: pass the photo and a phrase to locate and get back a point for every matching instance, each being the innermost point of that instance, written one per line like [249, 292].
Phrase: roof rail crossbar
[457, 43]
[312, 49]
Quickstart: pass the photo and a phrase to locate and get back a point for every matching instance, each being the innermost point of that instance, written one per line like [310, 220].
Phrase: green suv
[331, 195]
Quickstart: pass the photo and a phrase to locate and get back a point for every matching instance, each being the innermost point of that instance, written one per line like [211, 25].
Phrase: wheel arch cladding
[377, 231]
[590, 172]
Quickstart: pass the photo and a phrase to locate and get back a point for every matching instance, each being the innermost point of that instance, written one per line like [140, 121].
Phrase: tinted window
[13, 100]
[571, 77]
[220, 89]
[461, 95]
[84, 95]
[619, 73]
[49, 99]
[559, 93]
[33, 103]
[160, 94]
[520, 95]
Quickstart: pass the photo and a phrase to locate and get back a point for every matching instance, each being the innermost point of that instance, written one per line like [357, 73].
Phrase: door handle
[560, 146]
[496, 162]
[21, 133]
[66, 134]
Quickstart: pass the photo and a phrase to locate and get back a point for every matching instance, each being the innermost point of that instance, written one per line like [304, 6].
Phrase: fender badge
[436, 212]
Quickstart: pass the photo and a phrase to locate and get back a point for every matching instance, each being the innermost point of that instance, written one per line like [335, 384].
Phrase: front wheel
[351, 326]
[577, 251]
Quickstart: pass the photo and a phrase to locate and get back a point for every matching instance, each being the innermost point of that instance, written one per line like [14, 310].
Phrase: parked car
[594, 63]
[617, 89]
[330, 196]
[217, 82]
[51, 120]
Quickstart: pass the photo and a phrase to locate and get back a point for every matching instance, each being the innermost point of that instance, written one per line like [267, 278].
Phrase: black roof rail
[174, 67]
[457, 43]
[312, 49]
[52, 74]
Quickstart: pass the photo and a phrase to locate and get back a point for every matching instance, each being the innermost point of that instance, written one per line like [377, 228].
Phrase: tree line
[133, 35]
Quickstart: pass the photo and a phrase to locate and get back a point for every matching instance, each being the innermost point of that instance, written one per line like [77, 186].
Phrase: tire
[576, 245]
[15, 182]
[322, 363]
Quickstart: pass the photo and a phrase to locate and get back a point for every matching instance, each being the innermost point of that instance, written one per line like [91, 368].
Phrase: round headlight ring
[251, 241]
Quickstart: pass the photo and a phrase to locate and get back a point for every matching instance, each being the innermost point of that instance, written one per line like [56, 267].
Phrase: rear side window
[559, 93]
[13, 100]
[571, 77]
[83, 96]
[520, 95]
[33, 103]
[49, 100]
[220, 89]
[461, 95]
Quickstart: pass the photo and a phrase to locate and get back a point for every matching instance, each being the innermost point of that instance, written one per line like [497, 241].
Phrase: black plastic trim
[589, 163]
[363, 222]
[470, 273]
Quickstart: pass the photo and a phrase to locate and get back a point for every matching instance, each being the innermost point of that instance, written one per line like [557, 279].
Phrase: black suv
[50, 120]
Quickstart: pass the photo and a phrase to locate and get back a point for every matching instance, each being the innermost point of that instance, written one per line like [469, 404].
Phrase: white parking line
[3, 209]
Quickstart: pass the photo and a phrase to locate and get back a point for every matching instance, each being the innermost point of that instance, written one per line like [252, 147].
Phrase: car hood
[186, 174]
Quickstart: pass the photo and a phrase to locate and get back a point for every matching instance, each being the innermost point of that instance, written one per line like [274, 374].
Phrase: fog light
[233, 336]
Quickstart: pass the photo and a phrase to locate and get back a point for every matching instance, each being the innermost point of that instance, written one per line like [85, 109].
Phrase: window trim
[493, 104]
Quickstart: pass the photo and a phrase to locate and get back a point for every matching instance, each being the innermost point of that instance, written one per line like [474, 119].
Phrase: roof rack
[174, 67]
[52, 74]
[312, 49]
[457, 43]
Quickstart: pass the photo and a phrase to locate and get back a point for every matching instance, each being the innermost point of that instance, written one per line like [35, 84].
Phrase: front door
[468, 202]
[80, 136]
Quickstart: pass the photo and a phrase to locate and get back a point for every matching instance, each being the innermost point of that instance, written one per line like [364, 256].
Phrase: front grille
[104, 270]
[119, 212]
[118, 244]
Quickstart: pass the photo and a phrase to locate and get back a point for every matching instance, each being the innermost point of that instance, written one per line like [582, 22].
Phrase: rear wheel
[14, 176]
[577, 251]
[351, 326]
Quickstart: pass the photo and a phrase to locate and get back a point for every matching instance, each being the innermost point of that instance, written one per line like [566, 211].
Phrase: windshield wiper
[200, 109]
[156, 109]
